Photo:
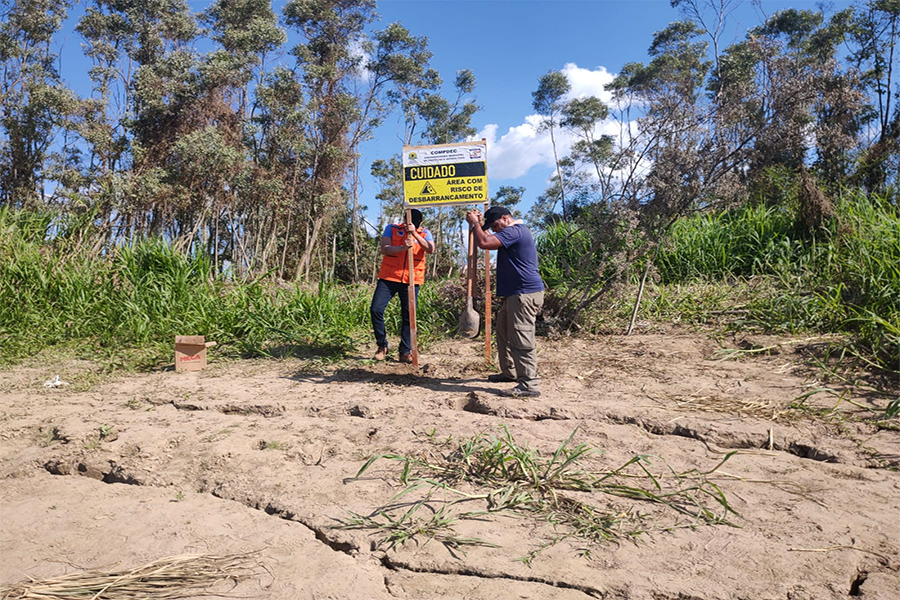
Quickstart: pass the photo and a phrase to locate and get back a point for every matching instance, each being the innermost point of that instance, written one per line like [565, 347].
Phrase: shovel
[469, 320]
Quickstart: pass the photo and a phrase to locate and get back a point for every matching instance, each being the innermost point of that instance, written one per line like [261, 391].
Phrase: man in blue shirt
[519, 285]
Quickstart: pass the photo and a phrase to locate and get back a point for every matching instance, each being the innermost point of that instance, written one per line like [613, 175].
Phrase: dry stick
[637, 301]
[164, 578]
[726, 354]
[488, 298]
[355, 218]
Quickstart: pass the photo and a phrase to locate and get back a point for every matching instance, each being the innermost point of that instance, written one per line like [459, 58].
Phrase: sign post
[442, 175]
[411, 299]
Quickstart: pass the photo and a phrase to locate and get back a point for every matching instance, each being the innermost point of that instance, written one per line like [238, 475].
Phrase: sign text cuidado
[445, 174]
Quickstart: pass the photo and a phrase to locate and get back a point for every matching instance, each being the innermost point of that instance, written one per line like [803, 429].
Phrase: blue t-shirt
[387, 232]
[517, 263]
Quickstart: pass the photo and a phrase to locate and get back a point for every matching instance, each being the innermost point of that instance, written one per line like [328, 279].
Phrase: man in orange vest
[393, 278]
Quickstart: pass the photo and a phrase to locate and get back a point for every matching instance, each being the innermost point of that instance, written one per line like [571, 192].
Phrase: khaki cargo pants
[515, 338]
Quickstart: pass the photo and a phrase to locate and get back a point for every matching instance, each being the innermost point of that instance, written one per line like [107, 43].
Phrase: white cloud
[586, 83]
[523, 147]
[518, 150]
[359, 52]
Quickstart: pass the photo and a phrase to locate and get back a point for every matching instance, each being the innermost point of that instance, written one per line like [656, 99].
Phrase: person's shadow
[360, 375]
[407, 376]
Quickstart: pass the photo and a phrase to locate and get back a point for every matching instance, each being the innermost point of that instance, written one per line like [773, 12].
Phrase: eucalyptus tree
[785, 75]
[666, 163]
[448, 122]
[784, 93]
[398, 64]
[582, 116]
[332, 31]
[102, 125]
[509, 196]
[873, 27]
[580, 187]
[712, 17]
[548, 100]
[34, 102]
[220, 156]
[332, 59]
[282, 162]
[147, 49]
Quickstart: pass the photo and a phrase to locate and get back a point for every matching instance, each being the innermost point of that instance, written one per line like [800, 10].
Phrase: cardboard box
[190, 352]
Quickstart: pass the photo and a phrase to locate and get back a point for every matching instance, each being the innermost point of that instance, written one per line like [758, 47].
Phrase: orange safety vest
[395, 268]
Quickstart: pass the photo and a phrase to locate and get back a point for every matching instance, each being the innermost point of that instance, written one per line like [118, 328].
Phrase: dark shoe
[518, 392]
[381, 353]
[406, 358]
[500, 378]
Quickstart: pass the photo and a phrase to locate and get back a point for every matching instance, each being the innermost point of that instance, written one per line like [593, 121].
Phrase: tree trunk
[311, 240]
[354, 218]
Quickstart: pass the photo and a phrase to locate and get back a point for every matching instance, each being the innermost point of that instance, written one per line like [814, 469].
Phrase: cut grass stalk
[165, 579]
[512, 478]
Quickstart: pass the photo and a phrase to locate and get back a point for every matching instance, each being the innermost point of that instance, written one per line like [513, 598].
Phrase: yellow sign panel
[445, 174]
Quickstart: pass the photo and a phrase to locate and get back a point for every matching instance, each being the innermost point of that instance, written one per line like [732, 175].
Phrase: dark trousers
[384, 291]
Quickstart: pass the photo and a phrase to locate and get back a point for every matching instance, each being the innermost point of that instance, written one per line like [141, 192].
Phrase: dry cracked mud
[260, 456]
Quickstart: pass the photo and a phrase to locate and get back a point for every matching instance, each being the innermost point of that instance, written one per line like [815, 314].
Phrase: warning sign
[445, 174]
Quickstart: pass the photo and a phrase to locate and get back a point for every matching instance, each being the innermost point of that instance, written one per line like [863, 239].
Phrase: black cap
[415, 215]
[492, 214]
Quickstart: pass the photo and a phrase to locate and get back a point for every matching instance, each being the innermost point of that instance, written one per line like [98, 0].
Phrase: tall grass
[59, 286]
[844, 278]
[741, 243]
[56, 291]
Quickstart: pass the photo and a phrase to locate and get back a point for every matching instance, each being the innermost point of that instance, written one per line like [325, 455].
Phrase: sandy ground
[113, 472]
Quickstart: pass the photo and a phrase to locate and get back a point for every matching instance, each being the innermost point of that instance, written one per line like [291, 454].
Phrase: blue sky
[509, 44]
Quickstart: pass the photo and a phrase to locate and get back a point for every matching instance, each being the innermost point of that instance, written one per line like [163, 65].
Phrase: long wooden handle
[488, 300]
[411, 298]
[470, 264]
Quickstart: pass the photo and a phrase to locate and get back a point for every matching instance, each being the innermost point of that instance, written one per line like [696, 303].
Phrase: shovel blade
[469, 324]
[469, 321]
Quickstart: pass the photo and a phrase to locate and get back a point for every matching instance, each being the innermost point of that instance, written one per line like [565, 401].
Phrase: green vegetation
[845, 278]
[762, 270]
[500, 475]
[129, 304]
[752, 264]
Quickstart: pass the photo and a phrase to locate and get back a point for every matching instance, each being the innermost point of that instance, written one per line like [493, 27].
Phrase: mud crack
[856, 584]
[110, 472]
[323, 534]
[263, 410]
[724, 440]
[107, 472]
[395, 565]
